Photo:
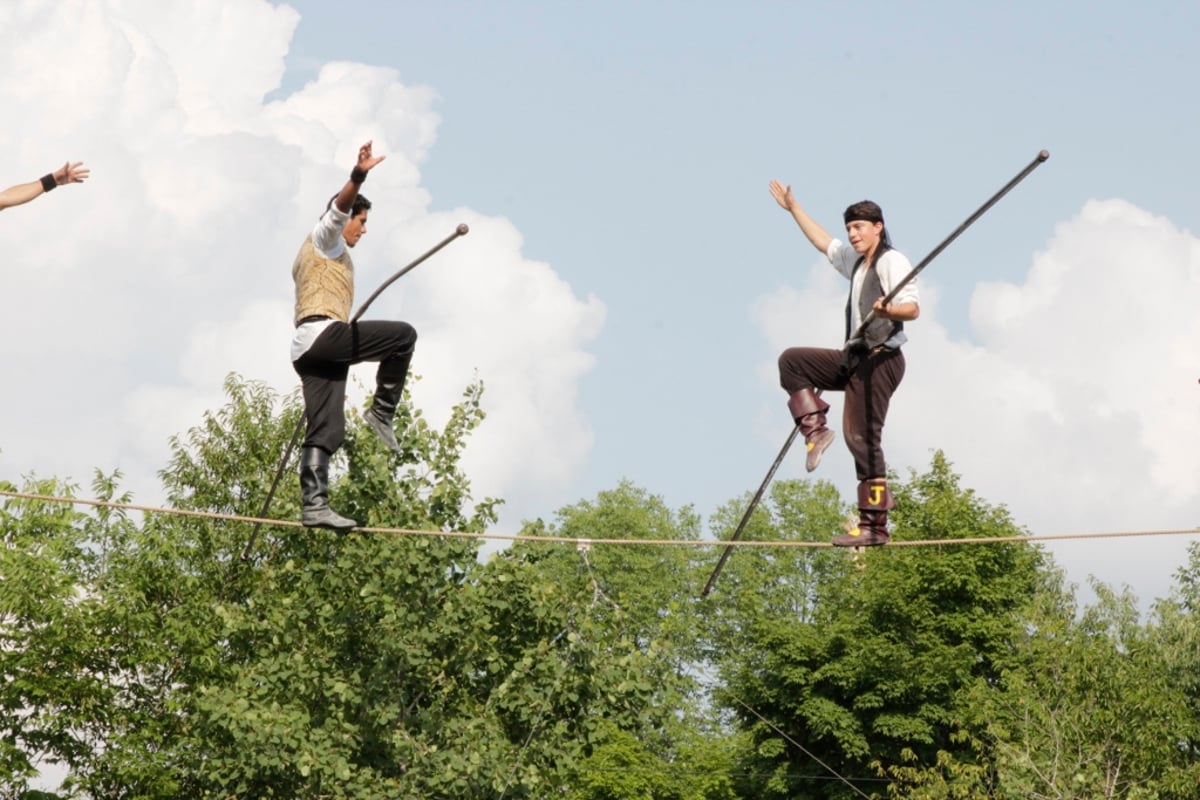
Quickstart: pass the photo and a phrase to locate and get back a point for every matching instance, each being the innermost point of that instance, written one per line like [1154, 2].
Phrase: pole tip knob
[1042, 156]
[462, 228]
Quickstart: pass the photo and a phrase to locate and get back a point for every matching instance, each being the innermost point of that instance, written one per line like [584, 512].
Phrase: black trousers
[869, 389]
[323, 370]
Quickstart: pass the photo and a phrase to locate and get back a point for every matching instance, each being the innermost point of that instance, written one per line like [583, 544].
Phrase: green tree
[624, 767]
[52, 699]
[868, 672]
[1179, 640]
[638, 601]
[644, 589]
[766, 586]
[1097, 711]
[1093, 702]
[153, 663]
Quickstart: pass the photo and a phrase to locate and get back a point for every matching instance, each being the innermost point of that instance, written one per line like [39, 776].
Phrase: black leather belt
[312, 318]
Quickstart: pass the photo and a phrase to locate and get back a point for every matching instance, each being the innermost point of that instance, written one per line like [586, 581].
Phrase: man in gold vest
[327, 343]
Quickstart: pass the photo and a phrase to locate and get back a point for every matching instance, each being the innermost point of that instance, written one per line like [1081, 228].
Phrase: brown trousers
[869, 388]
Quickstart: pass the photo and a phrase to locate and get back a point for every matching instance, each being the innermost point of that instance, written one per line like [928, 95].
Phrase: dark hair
[868, 211]
[361, 204]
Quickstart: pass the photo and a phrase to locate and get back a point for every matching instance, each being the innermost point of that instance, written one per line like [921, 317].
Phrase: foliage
[1086, 706]
[867, 677]
[152, 663]
[639, 603]
[623, 767]
[51, 699]
[1178, 640]
[146, 658]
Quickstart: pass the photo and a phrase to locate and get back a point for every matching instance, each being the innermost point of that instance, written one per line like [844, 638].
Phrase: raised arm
[366, 162]
[819, 237]
[24, 192]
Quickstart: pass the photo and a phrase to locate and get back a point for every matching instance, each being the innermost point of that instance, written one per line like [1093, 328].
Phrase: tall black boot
[808, 409]
[389, 387]
[314, 490]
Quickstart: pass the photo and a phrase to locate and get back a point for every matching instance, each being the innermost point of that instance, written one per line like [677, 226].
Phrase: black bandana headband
[865, 210]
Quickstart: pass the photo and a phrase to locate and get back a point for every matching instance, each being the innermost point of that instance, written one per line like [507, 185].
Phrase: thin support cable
[572, 540]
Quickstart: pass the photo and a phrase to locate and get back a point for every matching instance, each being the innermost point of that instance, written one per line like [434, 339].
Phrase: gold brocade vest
[324, 286]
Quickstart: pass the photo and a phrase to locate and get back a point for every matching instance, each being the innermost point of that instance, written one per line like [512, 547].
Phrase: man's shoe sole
[384, 431]
[859, 539]
[327, 519]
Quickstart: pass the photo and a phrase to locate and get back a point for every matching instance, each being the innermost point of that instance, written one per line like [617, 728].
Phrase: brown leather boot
[808, 410]
[874, 500]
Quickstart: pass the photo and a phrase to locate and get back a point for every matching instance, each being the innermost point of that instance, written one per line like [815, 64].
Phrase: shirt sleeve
[895, 267]
[327, 233]
[842, 257]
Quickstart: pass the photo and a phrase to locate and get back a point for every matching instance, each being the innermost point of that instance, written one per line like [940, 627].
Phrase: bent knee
[787, 360]
[405, 333]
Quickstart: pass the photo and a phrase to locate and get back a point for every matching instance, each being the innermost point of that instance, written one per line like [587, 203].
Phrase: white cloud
[139, 291]
[484, 307]
[1076, 405]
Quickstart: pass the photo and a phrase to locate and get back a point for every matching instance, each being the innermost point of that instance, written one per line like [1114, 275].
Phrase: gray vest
[880, 330]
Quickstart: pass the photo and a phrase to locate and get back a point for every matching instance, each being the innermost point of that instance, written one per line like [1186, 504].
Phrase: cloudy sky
[628, 281]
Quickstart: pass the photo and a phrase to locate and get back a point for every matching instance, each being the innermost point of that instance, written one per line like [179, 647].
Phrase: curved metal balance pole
[737, 534]
[858, 334]
[461, 230]
[979, 212]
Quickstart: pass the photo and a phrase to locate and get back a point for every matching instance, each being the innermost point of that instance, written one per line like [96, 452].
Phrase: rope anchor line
[586, 543]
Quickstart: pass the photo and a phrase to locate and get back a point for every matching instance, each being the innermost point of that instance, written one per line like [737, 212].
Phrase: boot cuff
[804, 402]
[313, 457]
[874, 495]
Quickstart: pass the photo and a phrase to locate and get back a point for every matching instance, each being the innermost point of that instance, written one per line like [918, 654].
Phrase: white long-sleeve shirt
[891, 267]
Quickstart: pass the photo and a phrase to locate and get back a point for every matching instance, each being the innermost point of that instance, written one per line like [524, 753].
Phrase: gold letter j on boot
[874, 500]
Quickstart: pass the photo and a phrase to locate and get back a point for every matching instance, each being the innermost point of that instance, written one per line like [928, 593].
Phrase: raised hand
[366, 161]
[71, 173]
[783, 195]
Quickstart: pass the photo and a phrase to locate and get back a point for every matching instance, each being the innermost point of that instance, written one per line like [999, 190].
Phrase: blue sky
[628, 281]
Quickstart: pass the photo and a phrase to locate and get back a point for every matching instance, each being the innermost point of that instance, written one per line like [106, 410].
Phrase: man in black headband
[869, 368]
[24, 192]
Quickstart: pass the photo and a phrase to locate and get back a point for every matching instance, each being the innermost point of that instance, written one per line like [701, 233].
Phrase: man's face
[863, 235]
[355, 228]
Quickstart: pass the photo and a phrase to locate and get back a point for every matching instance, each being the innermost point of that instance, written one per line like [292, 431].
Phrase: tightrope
[587, 542]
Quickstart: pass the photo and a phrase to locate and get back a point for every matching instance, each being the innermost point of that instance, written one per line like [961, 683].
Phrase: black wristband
[48, 182]
[358, 175]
